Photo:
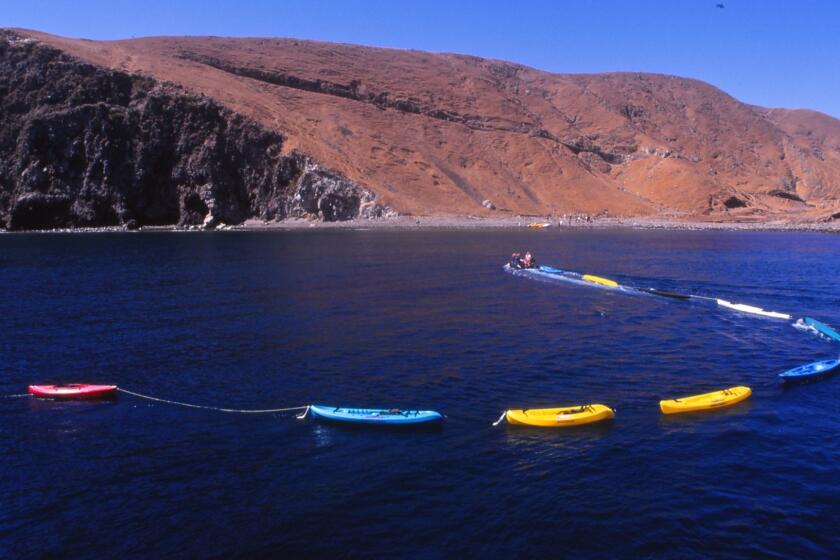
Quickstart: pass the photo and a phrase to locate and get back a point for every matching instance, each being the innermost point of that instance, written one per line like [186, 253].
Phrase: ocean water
[414, 319]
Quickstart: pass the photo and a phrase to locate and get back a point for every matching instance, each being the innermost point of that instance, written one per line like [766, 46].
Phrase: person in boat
[528, 261]
[519, 261]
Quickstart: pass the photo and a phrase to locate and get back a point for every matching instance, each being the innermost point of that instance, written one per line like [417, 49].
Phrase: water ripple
[415, 319]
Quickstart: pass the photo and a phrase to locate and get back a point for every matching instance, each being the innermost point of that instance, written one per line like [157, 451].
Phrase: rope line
[19, 395]
[216, 408]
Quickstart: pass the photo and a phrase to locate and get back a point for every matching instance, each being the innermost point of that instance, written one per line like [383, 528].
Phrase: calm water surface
[414, 319]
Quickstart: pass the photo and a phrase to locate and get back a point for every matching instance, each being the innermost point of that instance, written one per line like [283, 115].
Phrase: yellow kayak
[599, 280]
[708, 401]
[559, 417]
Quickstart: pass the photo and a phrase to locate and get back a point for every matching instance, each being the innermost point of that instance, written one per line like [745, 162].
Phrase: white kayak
[744, 308]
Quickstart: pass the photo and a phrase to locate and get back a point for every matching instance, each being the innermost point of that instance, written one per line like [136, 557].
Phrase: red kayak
[73, 391]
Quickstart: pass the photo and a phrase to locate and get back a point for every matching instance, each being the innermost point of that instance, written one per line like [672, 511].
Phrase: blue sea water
[414, 319]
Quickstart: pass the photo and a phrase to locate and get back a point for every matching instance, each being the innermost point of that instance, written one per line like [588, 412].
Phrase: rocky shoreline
[461, 223]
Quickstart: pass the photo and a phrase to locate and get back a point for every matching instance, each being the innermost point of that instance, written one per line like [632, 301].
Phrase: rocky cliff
[85, 146]
[173, 130]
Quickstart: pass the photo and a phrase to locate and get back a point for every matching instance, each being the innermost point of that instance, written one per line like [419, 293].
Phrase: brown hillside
[441, 133]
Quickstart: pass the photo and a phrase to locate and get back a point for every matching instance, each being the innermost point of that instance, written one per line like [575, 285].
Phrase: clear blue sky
[772, 53]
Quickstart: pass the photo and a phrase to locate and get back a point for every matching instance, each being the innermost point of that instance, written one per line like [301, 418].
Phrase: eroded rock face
[81, 146]
[330, 197]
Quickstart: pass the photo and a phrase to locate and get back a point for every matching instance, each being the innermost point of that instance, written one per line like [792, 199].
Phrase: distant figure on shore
[518, 261]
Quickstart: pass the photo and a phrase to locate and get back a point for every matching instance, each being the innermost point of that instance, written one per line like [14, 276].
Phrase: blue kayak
[811, 371]
[551, 269]
[823, 328]
[375, 416]
[560, 271]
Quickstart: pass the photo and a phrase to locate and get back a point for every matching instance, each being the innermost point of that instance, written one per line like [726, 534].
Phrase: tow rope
[216, 408]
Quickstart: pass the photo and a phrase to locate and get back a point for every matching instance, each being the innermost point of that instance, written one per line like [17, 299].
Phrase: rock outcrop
[85, 146]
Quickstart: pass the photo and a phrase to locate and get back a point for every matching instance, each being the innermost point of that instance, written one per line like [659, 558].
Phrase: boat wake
[555, 275]
[801, 325]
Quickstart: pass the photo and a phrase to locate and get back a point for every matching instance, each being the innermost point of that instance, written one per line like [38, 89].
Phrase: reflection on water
[534, 443]
[687, 421]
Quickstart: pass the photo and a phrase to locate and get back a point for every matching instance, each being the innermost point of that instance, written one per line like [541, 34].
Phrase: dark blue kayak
[823, 328]
[375, 416]
[811, 371]
[664, 293]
